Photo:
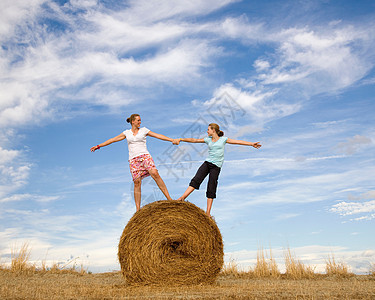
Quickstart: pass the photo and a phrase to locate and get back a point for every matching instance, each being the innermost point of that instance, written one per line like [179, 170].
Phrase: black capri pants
[205, 169]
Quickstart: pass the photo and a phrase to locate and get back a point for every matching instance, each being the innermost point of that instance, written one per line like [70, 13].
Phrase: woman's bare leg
[159, 181]
[137, 193]
[209, 205]
[188, 191]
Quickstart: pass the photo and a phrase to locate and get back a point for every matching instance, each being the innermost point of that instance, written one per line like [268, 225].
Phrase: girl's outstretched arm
[244, 143]
[118, 138]
[191, 140]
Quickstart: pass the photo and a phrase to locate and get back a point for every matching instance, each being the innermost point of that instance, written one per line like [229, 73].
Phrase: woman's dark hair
[216, 128]
[132, 118]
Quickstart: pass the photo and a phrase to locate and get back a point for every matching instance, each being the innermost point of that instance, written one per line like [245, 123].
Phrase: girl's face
[210, 131]
[137, 122]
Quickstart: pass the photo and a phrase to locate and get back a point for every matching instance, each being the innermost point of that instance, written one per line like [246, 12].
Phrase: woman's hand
[93, 149]
[176, 141]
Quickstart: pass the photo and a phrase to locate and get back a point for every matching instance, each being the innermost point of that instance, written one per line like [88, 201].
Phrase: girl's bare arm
[191, 140]
[256, 145]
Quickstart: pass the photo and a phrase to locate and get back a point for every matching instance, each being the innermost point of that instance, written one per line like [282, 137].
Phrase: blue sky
[298, 76]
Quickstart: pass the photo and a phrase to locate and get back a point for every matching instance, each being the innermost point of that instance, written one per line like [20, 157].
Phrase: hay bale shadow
[171, 243]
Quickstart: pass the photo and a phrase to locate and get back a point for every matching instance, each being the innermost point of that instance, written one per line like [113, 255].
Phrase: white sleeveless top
[137, 143]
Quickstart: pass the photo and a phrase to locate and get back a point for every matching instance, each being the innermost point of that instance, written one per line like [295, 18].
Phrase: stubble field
[81, 285]
[22, 279]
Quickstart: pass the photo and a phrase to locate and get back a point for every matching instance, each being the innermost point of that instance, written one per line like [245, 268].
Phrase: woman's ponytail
[132, 118]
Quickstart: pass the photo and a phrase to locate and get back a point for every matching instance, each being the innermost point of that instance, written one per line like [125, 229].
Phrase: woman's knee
[137, 182]
[154, 173]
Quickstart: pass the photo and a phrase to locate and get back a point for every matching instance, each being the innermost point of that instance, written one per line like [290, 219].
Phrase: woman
[140, 161]
[212, 165]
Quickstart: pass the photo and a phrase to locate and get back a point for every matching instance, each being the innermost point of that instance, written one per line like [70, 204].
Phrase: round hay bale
[171, 242]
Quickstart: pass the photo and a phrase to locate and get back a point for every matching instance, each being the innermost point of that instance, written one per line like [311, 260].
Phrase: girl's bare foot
[211, 217]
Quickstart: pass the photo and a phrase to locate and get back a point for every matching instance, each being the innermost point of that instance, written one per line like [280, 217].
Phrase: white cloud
[89, 237]
[6, 156]
[286, 216]
[368, 81]
[328, 124]
[351, 208]
[15, 12]
[314, 186]
[320, 61]
[151, 11]
[366, 209]
[239, 28]
[85, 65]
[354, 144]
[306, 62]
[94, 58]
[258, 104]
[261, 65]
[14, 172]
[83, 3]
[29, 197]
[116, 33]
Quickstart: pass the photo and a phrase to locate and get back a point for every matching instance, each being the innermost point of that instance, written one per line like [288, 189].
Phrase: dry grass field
[22, 280]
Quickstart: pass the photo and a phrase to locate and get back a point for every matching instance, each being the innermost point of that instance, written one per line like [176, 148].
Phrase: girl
[140, 161]
[212, 166]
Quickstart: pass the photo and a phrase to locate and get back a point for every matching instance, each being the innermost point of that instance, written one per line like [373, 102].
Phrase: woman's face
[137, 122]
[210, 131]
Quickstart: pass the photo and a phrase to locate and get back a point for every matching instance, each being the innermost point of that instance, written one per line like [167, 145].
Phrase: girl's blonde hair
[216, 127]
[132, 118]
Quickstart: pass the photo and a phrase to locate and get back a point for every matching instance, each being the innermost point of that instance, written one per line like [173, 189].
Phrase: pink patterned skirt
[140, 166]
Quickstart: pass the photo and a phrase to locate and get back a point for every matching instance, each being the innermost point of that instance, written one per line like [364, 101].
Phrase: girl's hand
[94, 148]
[257, 145]
[176, 141]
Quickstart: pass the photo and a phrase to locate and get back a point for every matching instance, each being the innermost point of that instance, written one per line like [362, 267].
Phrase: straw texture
[170, 242]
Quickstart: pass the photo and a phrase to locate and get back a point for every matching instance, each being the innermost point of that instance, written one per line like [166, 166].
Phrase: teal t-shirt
[216, 150]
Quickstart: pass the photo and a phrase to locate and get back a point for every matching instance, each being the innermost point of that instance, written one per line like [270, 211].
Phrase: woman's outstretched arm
[244, 143]
[160, 137]
[118, 138]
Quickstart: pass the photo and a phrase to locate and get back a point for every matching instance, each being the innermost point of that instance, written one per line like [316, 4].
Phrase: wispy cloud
[365, 209]
[14, 171]
[60, 238]
[340, 55]
[258, 103]
[294, 188]
[354, 144]
[97, 56]
[13, 13]
[147, 11]
[94, 58]
[29, 197]
[306, 61]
